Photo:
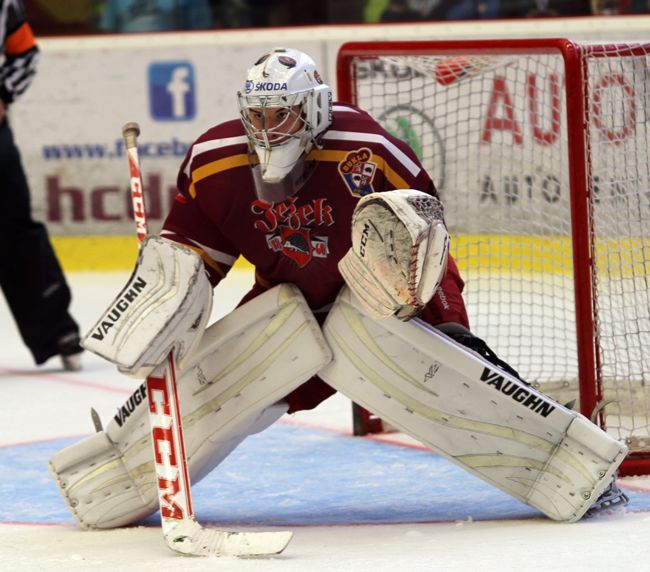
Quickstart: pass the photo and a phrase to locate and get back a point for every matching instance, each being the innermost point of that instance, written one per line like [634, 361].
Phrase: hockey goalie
[355, 291]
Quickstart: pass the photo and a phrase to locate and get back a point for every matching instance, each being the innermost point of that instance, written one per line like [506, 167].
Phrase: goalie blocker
[475, 414]
[165, 305]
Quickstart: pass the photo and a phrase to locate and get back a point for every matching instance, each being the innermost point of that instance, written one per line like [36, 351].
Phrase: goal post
[539, 151]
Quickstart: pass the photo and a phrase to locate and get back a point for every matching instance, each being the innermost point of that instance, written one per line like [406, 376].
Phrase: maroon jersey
[301, 239]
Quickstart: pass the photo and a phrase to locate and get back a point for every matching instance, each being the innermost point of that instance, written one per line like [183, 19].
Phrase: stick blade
[255, 544]
[191, 539]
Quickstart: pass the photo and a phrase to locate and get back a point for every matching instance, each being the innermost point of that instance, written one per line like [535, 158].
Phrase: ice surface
[355, 504]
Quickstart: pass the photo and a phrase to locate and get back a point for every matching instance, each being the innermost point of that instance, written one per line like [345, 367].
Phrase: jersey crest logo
[298, 244]
[358, 172]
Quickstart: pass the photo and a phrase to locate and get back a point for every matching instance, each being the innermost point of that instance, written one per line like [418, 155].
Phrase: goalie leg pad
[165, 305]
[233, 386]
[107, 484]
[472, 412]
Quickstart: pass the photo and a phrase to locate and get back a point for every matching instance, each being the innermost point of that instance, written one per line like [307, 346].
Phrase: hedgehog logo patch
[296, 244]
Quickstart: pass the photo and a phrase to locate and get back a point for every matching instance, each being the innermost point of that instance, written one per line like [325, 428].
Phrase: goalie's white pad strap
[165, 304]
[245, 364]
[470, 411]
[399, 252]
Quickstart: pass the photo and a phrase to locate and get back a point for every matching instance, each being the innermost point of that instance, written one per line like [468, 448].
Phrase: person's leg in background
[30, 275]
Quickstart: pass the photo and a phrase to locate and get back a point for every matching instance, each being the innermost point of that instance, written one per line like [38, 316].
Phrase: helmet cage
[314, 115]
[277, 135]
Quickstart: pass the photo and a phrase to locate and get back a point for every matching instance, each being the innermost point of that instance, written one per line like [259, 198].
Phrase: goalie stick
[181, 530]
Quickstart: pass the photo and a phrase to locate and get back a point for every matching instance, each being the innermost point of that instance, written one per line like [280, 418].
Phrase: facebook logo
[172, 95]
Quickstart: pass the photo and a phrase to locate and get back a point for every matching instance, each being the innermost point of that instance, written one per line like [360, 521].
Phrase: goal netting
[539, 151]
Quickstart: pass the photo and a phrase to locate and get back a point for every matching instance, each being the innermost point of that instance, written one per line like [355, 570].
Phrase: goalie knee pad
[399, 252]
[233, 385]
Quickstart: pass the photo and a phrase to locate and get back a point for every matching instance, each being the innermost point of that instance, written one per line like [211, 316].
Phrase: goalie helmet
[284, 107]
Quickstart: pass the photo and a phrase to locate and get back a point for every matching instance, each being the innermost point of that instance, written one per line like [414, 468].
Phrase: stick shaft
[130, 134]
[172, 475]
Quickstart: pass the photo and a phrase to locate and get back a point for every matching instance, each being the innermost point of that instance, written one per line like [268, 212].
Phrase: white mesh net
[619, 94]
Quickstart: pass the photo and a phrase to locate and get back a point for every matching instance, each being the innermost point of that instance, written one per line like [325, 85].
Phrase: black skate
[611, 500]
[70, 351]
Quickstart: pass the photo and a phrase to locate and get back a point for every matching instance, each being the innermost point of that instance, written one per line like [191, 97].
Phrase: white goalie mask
[284, 107]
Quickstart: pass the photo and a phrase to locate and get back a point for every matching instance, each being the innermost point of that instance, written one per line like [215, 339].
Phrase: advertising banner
[68, 124]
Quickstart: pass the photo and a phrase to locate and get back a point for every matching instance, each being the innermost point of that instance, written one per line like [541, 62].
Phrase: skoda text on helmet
[284, 107]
